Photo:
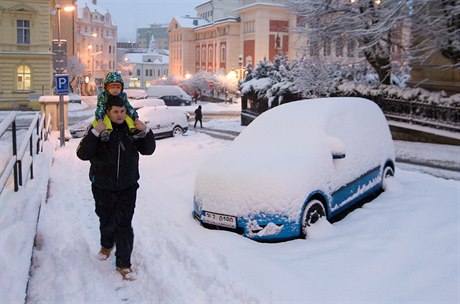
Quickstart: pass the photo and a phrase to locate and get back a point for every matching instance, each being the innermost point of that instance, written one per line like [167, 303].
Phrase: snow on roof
[188, 21]
[81, 4]
[217, 22]
[139, 58]
[259, 4]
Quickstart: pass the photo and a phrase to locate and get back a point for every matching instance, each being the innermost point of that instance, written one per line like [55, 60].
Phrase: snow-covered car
[147, 102]
[162, 120]
[294, 164]
[136, 93]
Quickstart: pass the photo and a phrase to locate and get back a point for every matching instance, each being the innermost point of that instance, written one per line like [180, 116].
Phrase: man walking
[198, 117]
[114, 173]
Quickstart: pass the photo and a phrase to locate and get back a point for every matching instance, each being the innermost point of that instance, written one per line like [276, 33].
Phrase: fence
[413, 112]
[17, 156]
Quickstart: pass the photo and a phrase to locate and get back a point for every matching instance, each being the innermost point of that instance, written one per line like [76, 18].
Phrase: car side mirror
[337, 148]
[338, 155]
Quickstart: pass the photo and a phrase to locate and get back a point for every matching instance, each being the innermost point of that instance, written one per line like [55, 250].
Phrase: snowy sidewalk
[177, 260]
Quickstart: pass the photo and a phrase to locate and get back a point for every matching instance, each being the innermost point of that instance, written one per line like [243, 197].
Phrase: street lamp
[90, 48]
[69, 8]
[240, 64]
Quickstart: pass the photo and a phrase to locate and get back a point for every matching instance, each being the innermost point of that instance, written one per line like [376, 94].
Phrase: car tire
[182, 104]
[177, 131]
[388, 172]
[314, 210]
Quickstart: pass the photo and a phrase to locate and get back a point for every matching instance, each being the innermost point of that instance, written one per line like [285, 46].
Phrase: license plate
[219, 219]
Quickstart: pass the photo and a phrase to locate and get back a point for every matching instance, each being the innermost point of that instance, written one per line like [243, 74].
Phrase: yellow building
[25, 56]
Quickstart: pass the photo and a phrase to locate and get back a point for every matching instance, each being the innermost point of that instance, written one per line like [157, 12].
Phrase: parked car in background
[163, 121]
[293, 165]
[147, 102]
[171, 100]
[136, 93]
[156, 91]
[74, 98]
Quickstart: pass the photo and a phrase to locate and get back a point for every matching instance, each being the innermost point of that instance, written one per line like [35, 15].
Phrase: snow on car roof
[286, 151]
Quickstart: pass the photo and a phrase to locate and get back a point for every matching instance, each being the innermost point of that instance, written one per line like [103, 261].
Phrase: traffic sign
[62, 84]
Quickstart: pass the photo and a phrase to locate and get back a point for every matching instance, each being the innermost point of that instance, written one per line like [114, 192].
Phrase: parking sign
[62, 84]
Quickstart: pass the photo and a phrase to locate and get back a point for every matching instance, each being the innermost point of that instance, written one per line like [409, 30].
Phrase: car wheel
[177, 131]
[312, 213]
[183, 104]
[387, 173]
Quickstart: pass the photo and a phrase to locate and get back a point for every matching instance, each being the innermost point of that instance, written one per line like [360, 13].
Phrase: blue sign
[62, 84]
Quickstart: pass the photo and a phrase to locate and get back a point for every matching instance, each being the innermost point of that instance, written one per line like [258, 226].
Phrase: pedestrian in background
[195, 96]
[114, 173]
[198, 117]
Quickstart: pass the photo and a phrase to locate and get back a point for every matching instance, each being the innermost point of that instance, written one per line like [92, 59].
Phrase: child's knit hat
[113, 77]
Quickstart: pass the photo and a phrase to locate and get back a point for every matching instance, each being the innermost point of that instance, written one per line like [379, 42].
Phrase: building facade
[96, 46]
[25, 56]
[225, 35]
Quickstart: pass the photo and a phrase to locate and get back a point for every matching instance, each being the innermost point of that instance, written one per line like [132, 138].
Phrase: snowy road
[387, 251]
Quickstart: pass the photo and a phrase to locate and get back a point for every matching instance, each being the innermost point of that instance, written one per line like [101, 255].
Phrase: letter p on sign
[62, 84]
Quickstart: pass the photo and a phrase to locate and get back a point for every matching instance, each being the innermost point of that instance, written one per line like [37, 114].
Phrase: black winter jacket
[115, 164]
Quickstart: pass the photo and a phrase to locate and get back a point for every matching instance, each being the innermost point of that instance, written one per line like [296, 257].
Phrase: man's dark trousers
[115, 210]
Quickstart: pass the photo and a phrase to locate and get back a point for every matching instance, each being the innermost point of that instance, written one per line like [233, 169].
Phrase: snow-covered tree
[152, 45]
[126, 70]
[76, 70]
[436, 27]
[314, 77]
[199, 81]
[370, 23]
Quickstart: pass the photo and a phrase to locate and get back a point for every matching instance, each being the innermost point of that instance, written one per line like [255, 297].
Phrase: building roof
[217, 22]
[139, 58]
[190, 22]
[260, 4]
[81, 4]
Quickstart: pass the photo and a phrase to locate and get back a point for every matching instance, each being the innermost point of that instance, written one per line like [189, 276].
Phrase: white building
[143, 68]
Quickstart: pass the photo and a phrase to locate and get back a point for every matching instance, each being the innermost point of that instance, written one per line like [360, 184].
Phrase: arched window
[23, 78]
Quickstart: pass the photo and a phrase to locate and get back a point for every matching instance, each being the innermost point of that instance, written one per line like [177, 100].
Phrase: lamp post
[240, 64]
[61, 68]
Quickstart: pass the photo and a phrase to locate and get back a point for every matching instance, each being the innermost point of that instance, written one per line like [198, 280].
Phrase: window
[23, 31]
[248, 27]
[222, 52]
[327, 47]
[351, 48]
[138, 72]
[314, 51]
[23, 78]
[339, 47]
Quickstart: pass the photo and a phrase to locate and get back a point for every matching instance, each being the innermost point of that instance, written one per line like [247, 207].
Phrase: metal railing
[17, 156]
[436, 116]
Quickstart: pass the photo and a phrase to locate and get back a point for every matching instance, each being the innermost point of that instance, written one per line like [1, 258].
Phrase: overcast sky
[133, 14]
